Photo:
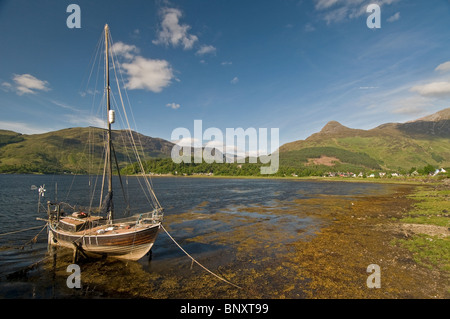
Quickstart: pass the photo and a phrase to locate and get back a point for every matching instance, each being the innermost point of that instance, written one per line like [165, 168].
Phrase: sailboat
[91, 233]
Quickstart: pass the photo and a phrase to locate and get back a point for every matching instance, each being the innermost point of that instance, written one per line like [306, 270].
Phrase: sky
[287, 64]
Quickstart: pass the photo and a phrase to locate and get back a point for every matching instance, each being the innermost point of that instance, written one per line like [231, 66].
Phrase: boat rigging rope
[221, 278]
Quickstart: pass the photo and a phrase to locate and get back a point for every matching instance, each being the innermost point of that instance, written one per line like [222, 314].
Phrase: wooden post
[78, 250]
[150, 254]
[75, 254]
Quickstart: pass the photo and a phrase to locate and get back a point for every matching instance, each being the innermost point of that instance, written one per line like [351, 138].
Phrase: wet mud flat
[310, 247]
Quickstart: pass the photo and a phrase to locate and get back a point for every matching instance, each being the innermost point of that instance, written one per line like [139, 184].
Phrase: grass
[429, 251]
[432, 208]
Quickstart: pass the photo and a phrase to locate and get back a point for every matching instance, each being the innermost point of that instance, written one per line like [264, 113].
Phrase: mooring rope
[221, 278]
[21, 230]
[34, 239]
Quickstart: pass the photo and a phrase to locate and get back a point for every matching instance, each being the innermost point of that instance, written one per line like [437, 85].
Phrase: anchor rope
[193, 260]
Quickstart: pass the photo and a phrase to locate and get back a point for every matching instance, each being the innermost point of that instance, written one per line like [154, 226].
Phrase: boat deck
[104, 229]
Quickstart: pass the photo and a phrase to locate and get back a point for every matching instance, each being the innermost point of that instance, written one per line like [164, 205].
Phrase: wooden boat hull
[131, 245]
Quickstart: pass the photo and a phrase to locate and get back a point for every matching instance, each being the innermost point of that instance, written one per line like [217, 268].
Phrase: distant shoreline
[397, 181]
[392, 180]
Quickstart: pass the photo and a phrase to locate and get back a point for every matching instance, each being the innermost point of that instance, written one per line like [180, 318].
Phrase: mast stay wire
[145, 190]
[149, 186]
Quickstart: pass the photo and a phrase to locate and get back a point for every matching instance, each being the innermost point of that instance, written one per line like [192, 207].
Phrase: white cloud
[226, 63]
[143, 73]
[64, 105]
[172, 32]
[206, 49]
[26, 84]
[187, 141]
[429, 96]
[324, 4]
[394, 17]
[80, 119]
[230, 150]
[443, 67]
[368, 87]
[235, 80]
[148, 74]
[126, 50]
[309, 27]
[19, 127]
[333, 11]
[173, 106]
[7, 85]
[89, 91]
[434, 89]
[410, 110]
[336, 15]
[415, 105]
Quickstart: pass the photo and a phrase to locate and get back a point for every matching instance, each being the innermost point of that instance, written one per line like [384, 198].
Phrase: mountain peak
[333, 127]
[436, 117]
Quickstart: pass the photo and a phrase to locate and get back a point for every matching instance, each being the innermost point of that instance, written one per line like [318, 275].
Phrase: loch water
[24, 274]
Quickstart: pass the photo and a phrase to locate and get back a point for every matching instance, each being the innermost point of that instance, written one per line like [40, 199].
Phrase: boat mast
[109, 146]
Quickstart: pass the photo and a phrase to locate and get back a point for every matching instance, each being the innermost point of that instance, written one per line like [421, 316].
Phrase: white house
[439, 171]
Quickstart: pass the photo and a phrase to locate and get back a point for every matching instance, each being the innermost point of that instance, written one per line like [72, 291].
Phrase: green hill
[389, 147]
[68, 150]
[392, 146]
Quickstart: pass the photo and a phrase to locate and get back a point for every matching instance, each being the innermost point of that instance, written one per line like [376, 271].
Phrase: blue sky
[291, 64]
